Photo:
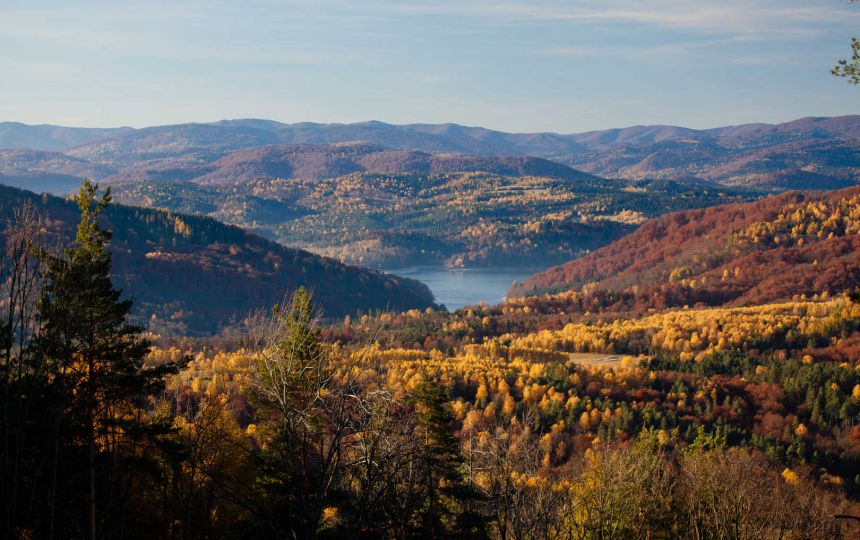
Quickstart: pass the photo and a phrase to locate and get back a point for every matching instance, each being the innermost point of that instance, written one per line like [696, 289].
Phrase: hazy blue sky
[563, 66]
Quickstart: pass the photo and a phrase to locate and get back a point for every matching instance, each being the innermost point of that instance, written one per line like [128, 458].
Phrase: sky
[522, 66]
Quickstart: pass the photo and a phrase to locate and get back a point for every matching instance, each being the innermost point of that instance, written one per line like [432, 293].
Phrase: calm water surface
[458, 287]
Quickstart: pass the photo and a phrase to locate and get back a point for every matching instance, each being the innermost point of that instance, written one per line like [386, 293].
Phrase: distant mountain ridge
[750, 154]
[429, 137]
[47, 171]
[18, 136]
[816, 163]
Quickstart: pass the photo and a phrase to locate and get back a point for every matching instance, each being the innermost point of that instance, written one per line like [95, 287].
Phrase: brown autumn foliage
[743, 254]
[193, 275]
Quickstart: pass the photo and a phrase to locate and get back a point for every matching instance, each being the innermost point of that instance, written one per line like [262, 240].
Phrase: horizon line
[365, 122]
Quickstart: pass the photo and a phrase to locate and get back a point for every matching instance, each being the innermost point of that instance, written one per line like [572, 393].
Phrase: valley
[543, 337]
[434, 195]
[468, 219]
[455, 288]
[536, 270]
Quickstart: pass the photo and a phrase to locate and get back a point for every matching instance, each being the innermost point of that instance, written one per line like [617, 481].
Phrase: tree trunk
[91, 443]
[91, 465]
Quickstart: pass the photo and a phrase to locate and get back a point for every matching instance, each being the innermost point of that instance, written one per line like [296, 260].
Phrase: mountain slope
[319, 161]
[736, 255]
[804, 164]
[154, 144]
[195, 275]
[458, 218]
[759, 135]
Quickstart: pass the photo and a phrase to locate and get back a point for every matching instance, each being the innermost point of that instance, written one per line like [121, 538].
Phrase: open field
[597, 359]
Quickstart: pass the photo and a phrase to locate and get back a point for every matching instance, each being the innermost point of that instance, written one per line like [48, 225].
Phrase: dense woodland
[456, 219]
[742, 254]
[490, 422]
[192, 275]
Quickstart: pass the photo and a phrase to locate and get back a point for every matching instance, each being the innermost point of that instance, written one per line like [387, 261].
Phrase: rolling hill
[320, 161]
[742, 254]
[456, 219]
[194, 275]
[808, 153]
[369, 205]
[803, 164]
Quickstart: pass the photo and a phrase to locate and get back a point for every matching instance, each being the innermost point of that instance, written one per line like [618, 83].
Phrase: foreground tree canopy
[492, 422]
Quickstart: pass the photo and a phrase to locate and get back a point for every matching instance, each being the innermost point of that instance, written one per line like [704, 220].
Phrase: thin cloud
[740, 17]
[536, 64]
[659, 50]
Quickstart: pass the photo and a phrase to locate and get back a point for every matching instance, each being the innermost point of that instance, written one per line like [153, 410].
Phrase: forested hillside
[530, 419]
[816, 163]
[772, 249]
[319, 161]
[650, 426]
[458, 219]
[190, 274]
[249, 329]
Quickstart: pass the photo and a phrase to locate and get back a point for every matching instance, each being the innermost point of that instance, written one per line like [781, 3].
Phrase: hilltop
[743, 254]
[320, 161]
[815, 163]
[194, 275]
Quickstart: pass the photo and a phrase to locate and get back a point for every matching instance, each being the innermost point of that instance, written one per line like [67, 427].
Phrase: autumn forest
[256, 284]
[677, 408]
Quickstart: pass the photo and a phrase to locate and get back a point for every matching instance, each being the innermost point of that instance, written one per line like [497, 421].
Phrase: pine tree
[442, 514]
[96, 359]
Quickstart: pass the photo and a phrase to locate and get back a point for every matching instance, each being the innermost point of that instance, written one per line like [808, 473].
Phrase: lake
[458, 287]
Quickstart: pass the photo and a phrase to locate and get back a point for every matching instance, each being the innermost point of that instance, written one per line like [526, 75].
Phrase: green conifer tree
[96, 359]
[446, 511]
